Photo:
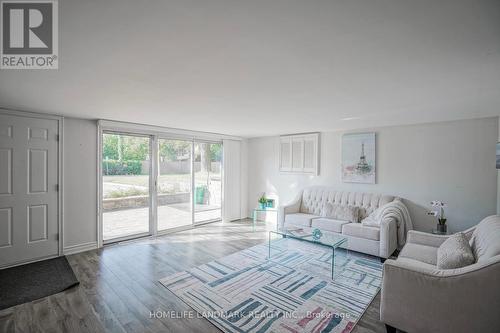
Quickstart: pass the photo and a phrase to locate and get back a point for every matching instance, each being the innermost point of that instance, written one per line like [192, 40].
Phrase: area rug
[291, 292]
[29, 282]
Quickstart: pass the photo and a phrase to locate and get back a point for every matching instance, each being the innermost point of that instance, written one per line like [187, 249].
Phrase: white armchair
[419, 297]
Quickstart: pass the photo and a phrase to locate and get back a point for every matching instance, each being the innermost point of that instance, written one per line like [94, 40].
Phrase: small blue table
[267, 209]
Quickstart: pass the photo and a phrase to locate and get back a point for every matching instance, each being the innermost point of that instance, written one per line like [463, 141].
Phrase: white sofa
[307, 208]
[419, 297]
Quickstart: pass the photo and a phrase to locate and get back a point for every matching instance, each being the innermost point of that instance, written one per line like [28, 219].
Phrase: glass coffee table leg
[269, 247]
[333, 260]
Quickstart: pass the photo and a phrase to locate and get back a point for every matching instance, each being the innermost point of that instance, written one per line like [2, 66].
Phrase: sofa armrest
[290, 208]
[418, 297]
[424, 238]
[388, 237]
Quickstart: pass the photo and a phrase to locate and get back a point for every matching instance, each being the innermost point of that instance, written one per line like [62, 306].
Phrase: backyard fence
[180, 167]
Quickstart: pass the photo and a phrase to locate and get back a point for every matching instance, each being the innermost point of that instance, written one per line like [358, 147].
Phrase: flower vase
[441, 228]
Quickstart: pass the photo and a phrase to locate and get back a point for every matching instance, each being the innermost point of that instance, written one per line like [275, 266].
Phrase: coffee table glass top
[313, 235]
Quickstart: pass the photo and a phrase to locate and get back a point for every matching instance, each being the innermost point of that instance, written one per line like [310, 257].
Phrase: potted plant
[439, 213]
[263, 201]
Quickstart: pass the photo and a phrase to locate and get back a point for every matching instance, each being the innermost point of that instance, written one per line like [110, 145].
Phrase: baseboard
[29, 261]
[243, 219]
[79, 248]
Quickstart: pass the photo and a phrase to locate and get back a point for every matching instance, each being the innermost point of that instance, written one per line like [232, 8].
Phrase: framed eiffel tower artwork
[359, 158]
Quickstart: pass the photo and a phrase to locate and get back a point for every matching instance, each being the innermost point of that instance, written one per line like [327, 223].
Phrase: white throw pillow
[372, 220]
[484, 241]
[455, 252]
[338, 212]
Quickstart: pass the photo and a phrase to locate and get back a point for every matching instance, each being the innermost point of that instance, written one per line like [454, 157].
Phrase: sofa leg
[390, 329]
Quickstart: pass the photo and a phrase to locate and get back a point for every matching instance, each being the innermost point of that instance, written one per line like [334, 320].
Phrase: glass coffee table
[312, 235]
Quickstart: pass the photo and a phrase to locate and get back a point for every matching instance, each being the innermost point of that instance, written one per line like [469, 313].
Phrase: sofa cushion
[314, 198]
[415, 263]
[339, 212]
[455, 252]
[485, 241]
[299, 219]
[424, 253]
[327, 224]
[361, 231]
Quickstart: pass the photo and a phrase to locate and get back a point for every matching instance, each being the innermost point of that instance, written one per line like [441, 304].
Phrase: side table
[257, 210]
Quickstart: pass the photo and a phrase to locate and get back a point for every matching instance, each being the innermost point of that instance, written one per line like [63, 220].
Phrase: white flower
[437, 203]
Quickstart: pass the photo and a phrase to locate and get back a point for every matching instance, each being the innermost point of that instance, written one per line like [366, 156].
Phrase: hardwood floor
[119, 288]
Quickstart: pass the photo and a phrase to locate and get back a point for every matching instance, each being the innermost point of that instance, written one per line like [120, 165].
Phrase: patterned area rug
[292, 292]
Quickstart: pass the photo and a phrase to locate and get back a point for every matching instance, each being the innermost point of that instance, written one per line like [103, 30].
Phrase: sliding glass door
[126, 177]
[151, 184]
[207, 181]
[174, 184]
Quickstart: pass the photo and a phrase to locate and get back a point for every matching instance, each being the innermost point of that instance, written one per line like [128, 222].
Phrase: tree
[135, 148]
[216, 152]
[173, 150]
[110, 146]
[205, 157]
[125, 148]
[120, 148]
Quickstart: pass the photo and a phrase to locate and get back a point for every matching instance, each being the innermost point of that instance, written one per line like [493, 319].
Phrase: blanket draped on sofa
[393, 210]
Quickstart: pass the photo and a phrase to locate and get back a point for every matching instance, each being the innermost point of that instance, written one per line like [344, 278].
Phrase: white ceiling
[265, 67]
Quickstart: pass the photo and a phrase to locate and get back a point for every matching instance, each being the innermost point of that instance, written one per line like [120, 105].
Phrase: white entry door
[28, 189]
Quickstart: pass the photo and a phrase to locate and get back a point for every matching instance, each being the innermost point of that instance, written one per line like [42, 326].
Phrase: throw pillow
[344, 213]
[455, 252]
[484, 241]
[373, 220]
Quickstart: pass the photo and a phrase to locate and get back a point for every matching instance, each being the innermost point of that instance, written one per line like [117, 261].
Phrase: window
[152, 183]
[299, 154]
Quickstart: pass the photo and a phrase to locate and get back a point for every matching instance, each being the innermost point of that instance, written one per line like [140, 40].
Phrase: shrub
[122, 193]
[114, 167]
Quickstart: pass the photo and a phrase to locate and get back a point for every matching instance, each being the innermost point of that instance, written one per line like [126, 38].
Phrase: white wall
[80, 184]
[449, 161]
[498, 173]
